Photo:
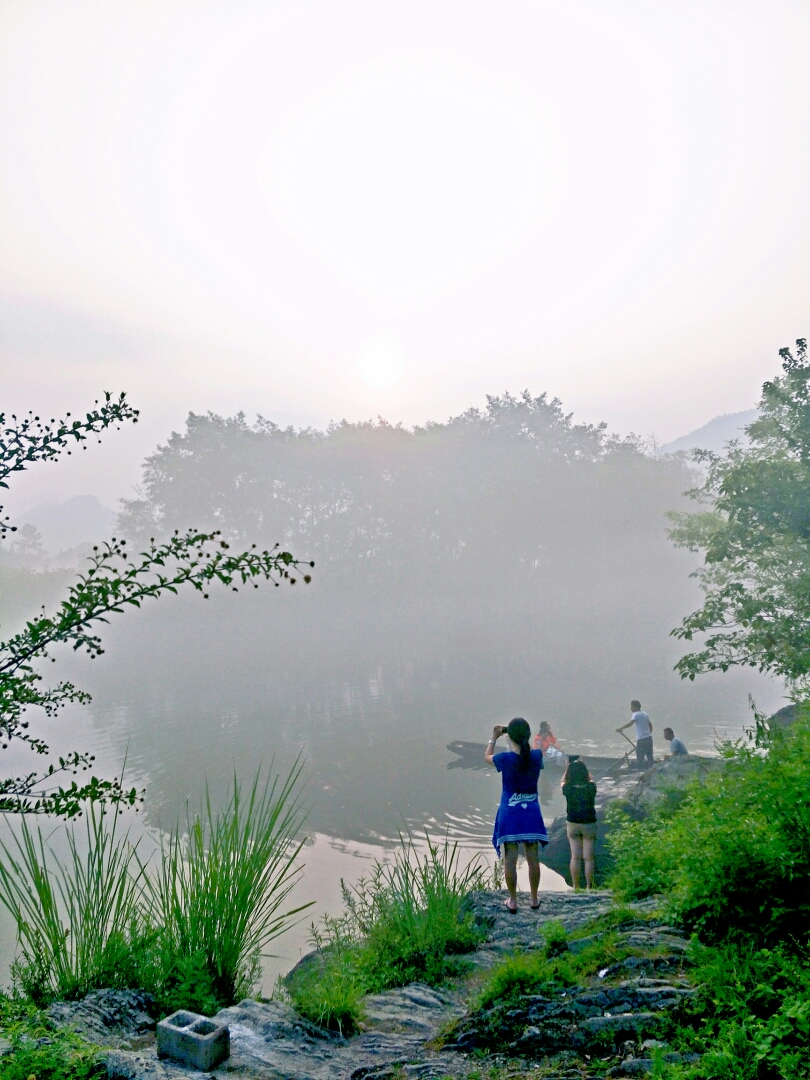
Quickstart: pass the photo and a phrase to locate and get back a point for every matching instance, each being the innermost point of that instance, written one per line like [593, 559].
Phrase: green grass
[78, 920]
[221, 892]
[191, 931]
[405, 922]
[554, 967]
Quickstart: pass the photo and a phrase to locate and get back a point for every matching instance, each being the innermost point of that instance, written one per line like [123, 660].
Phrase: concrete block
[193, 1040]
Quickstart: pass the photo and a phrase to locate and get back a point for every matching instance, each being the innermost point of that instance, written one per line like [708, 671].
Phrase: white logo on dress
[522, 798]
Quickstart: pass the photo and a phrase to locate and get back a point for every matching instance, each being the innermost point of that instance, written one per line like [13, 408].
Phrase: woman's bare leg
[534, 871]
[576, 857]
[587, 855]
[510, 858]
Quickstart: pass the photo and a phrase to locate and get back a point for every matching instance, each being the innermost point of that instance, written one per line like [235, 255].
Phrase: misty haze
[506, 562]
[374, 375]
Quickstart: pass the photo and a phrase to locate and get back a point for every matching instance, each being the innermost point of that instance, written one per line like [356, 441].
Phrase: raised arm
[489, 753]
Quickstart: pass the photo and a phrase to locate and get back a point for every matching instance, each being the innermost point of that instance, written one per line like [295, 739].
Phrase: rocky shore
[608, 1026]
[639, 790]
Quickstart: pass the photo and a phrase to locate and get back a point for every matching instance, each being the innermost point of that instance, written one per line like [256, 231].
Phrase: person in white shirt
[676, 747]
[644, 740]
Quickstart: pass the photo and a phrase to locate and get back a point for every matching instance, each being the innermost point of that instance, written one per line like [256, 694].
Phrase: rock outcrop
[618, 1016]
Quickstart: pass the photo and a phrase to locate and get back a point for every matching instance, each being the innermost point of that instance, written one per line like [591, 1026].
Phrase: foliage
[756, 540]
[191, 933]
[39, 1049]
[31, 439]
[734, 857]
[78, 920]
[220, 892]
[382, 505]
[554, 966]
[405, 922]
[750, 1018]
[115, 579]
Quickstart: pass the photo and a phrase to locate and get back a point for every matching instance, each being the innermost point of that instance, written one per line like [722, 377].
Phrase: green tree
[755, 538]
[115, 579]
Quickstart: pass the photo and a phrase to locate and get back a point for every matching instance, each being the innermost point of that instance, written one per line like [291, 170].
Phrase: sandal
[511, 910]
[535, 907]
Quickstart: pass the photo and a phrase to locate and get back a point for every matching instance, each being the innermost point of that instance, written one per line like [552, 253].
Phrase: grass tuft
[191, 935]
[221, 890]
[78, 921]
[406, 921]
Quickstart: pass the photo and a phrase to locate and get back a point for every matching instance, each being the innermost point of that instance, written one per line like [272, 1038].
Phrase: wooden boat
[470, 755]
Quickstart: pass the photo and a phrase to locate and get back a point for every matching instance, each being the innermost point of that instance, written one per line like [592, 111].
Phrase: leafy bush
[734, 856]
[751, 1017]
[40, 1050]
[404, 922]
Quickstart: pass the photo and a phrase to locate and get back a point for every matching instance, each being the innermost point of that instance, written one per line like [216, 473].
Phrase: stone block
[193, 1040]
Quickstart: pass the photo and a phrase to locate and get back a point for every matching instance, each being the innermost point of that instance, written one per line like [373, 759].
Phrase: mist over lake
[507, 562]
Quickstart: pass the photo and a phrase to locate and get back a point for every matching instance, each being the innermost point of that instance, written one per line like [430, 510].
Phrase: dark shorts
[644, 750]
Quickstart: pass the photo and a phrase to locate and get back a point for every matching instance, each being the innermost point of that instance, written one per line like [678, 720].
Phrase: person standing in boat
[519, 820]
[644, 739]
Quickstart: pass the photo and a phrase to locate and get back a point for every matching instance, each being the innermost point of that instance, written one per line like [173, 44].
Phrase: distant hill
[63, 526]
[714, 435]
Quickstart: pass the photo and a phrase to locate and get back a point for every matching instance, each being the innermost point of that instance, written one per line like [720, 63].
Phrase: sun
[380, 363]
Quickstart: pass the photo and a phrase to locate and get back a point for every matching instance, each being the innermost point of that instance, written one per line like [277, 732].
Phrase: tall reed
[222, 885]
[78, 919]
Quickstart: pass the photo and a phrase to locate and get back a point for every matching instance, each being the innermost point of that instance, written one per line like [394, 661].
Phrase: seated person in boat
[546, 740]
[676, 747]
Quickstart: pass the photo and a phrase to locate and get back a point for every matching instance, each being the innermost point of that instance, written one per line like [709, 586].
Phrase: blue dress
[519, 819]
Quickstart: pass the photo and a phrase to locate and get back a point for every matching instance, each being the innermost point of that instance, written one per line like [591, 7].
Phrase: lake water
[373, 747]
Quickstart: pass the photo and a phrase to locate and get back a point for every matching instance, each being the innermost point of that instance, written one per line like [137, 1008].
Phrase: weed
[555, 966]
[620, 917]
[39, 1050]
[78, 921]
[220, 893]
[405, 921]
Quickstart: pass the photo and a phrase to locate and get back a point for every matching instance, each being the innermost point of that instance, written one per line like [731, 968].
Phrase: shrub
[734, 856]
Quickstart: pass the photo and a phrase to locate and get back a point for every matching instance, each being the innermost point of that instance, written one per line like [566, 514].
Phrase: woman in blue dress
[518, 820]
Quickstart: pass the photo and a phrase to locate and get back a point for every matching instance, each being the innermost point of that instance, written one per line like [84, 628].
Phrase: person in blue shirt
[676, 747]
[519, 820]
[644, 739]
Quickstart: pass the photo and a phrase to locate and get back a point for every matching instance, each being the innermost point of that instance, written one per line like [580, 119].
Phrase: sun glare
[380, 363]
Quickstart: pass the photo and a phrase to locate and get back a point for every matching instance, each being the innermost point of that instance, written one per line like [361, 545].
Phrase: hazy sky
[324, 209]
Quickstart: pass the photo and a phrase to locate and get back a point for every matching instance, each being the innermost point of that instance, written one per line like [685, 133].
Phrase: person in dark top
[518, 820]
[580, 792]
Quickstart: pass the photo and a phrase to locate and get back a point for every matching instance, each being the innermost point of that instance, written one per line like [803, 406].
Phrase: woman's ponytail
[520, 732]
